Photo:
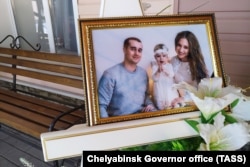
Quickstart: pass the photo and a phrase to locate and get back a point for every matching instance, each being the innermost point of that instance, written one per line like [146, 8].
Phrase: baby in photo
[163, 78]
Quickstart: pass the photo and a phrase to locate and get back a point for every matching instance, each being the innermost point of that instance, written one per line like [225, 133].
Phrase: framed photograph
[120, 76]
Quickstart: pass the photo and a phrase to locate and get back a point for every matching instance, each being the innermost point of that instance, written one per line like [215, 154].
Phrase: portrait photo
[132, 65]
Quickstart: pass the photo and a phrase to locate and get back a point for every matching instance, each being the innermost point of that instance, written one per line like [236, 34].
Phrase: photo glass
[103, 48]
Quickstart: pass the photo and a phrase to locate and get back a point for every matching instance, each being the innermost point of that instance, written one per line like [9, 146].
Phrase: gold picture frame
[102, 47]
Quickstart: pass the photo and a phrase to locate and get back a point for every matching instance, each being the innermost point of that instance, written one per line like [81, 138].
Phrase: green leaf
[234, 103]
[228, 118]
[177, 146]
[210, 120]
[224, 110]
[193, 124]
[186, 144]
[203, 119]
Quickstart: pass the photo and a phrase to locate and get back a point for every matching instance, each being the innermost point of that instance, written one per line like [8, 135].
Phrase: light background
[108, 44]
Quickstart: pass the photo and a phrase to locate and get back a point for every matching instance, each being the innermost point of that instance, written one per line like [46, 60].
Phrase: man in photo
[123, 88]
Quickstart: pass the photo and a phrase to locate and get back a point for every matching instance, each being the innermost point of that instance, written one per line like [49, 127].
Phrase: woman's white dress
[183, 74]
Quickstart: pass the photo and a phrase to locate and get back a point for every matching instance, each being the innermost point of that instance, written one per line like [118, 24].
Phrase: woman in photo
[189, 65]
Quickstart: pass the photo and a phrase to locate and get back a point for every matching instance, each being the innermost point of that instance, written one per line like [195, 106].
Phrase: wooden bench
[32, 114]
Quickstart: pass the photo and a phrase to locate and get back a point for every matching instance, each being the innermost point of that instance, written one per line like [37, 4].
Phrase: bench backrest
[57, 68]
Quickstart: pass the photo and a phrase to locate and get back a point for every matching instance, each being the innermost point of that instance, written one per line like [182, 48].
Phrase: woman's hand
[148, 108]
[177, 101]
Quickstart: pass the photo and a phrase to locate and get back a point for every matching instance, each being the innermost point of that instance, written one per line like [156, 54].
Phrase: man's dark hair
[126, 41]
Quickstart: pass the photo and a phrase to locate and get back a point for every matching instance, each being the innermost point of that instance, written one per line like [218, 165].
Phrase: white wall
[7, 23]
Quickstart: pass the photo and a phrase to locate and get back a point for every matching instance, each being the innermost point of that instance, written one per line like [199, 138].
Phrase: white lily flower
[209, 105]
[242, 110]
[220, 137]
[211, 97]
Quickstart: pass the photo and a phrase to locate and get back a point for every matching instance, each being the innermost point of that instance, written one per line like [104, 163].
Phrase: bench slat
[30, 99]
[43, 66]
[54, 106]
[30, 113]
[41, 110]
[46, 77]
[31, 116]
[72, 59]
[22, 125]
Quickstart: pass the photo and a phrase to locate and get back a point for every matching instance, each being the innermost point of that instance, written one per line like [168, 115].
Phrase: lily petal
[186, 86]
[220, 137]
[209, 105]
[210, 87]
[206, 131]
[234, 136]
[219, 121]
[242, 110]
[231, 89]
